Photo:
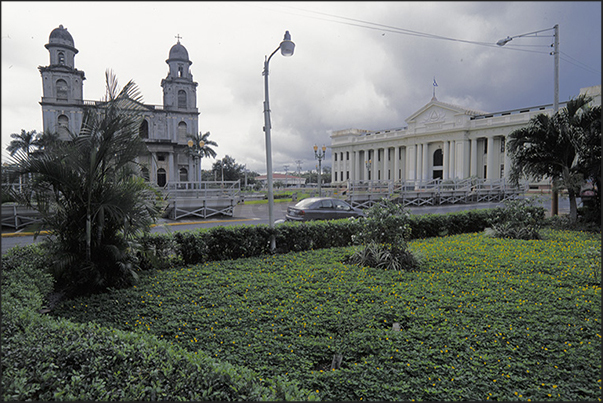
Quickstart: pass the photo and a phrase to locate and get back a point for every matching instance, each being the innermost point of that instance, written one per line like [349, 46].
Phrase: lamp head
[324, 148]
[190, 143]
[315, 148]
[287, 46]
[201, 143]
[503, 42]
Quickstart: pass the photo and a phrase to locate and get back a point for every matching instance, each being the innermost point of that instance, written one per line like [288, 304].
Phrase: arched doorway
[161, 177]
[438, 164]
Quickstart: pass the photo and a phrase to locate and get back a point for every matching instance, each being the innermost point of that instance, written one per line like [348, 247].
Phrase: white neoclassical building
[164, 127]
[440, 141]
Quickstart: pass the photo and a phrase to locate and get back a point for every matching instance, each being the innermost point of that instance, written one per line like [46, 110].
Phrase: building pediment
[436, 113]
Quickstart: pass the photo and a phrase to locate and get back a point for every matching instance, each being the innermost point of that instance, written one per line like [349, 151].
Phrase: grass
[485, 319]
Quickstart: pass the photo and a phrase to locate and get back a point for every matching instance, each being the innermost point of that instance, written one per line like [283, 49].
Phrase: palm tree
[23, 142]
[206, 150]
[553, 147]
[89, 194]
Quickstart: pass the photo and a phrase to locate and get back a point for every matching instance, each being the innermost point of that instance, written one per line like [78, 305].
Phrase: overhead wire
[397, 30]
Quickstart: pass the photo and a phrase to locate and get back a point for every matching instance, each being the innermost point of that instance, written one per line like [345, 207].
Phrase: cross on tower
[178, 37]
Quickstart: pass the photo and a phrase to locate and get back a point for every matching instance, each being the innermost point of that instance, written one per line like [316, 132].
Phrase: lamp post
[286, 47]
[555, 53]
[196, 150]
[319, 155]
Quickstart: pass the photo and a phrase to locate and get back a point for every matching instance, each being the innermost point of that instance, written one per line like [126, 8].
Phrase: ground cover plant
[483, 319]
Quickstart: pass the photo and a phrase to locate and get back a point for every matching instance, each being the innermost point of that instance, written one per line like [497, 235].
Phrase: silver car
[321, 208]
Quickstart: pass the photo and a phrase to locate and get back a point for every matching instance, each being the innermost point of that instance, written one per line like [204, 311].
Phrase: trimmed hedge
[54, 359]
[234, 242]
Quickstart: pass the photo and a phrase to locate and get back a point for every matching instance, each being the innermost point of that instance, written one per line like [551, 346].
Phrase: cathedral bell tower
[179, 89]
[62, 86]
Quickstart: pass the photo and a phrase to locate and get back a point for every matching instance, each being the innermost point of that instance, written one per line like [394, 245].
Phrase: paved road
[253, 214]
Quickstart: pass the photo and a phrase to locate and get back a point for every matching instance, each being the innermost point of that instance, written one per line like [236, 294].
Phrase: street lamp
[319, 155]
[286, 47]
[196, 151]
[555, 52]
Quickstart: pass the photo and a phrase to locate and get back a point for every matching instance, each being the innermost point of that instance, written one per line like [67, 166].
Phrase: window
[502, 145]
[145, 174]
[485, 146]
[62, 90]
[183, 175]
[63, 125]
[335, 156]
[347, 175]
[335, 176]
[341, 157]
[347, 155]
[161, 177]
[502, 170]
[438, 158]
[180, 71]
[160, 157]
[143, 130]
[61, 58]
[182, 99]
[182, 130]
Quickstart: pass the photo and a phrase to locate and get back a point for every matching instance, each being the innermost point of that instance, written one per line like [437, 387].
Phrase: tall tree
[554, 146]
[25, 142]
[206, 150]
[229, 168]
[89, 194]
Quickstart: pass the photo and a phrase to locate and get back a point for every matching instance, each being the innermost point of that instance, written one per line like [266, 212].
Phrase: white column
[490, 170]
[426, 162]
[153, 173]
[410, 162]
[445, 155]
[473, 164]
[419, 159]
[396, 175]
[356, 171]
[374, 166]
[452, 161]
[173, 168]
[507, 163]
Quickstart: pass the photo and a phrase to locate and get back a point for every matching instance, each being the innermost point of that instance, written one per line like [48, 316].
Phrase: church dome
[178, 52]
[61, 36]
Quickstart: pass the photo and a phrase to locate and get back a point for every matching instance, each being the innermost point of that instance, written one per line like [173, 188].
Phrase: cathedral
[164, 127]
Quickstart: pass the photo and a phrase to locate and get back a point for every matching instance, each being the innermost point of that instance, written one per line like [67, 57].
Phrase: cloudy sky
[366, 65]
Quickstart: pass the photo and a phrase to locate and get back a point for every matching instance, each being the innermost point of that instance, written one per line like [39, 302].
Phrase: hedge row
[234, 242]
[49, 359]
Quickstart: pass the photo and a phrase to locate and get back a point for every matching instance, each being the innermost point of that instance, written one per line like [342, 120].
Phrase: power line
[397, 30]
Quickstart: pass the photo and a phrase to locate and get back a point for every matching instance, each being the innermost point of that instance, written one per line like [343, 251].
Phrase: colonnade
[482, 157]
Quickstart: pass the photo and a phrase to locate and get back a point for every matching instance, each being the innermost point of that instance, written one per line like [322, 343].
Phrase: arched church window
[143, 130]
[63, 125]
[183, 175]
[61, 58]
[182, 99]
[145, 174]
[438, 158]
[181, 130]
[62, 89]
[180, 71]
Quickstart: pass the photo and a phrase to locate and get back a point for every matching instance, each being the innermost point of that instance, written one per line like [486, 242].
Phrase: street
[254, 214]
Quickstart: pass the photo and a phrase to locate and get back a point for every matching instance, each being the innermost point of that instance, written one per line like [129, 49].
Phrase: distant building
[441, 141]
[286, 180]
[164, 127]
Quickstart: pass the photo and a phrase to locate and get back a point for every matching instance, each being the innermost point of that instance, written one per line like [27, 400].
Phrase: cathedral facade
[164, 127]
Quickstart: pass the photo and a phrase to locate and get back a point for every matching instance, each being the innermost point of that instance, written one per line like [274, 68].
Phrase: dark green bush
[518, 219]
[222, 243]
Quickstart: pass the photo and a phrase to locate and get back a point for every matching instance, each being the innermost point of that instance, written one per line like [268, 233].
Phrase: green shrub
[157, 251]
[518, 219]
